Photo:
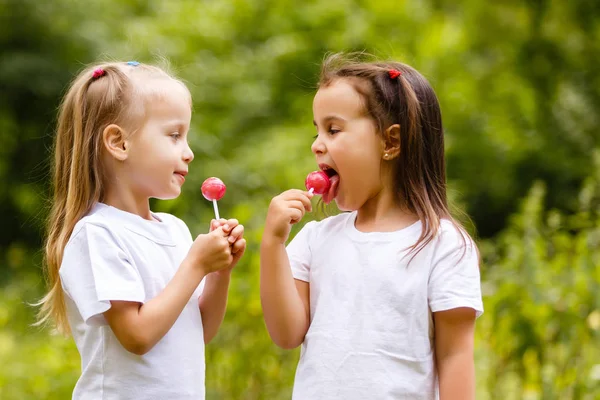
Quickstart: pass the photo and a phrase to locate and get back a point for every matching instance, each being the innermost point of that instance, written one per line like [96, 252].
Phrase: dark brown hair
[409, 101]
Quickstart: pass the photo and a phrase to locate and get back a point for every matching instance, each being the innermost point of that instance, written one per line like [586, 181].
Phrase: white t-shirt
[371, 326]
[115, 255]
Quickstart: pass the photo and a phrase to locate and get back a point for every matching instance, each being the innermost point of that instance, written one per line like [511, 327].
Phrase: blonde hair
[94, 100]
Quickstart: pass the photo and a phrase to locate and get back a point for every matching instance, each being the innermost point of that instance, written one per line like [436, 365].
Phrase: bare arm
[454, 331]
[213, 301]
[285, 301]
[138, 327]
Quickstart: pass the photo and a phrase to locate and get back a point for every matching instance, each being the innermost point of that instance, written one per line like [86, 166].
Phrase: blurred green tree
[519, 93]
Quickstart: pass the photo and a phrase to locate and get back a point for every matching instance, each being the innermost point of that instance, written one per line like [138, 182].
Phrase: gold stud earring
[386, 156]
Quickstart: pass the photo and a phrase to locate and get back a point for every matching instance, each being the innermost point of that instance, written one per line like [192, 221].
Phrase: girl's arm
[454, 331]
[213, 301]
[285, 301]
[138, 327]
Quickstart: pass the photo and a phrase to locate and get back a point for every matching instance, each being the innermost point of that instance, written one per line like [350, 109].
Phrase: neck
[383, 213]
[119, 192]
[117, 196]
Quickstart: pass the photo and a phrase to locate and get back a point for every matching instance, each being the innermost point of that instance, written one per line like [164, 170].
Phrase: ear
[391, 142]
[113, 138]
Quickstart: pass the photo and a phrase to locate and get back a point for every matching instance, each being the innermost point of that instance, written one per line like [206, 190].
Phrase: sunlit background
[519, 84]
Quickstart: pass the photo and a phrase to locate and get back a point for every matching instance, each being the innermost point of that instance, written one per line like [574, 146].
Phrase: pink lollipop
[317, 182]
[213, 189]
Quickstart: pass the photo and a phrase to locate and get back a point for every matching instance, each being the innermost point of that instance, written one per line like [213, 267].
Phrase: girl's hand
[235, 239]
[285, 210]
[211, 252]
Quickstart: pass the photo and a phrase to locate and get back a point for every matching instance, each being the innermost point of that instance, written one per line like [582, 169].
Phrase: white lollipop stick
[216, 210]
[311, 191]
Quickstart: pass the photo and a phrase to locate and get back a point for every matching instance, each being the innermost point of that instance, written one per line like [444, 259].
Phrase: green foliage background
[519, 85]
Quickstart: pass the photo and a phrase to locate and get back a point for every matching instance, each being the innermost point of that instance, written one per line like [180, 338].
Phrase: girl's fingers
[306, 202]
[298, 195]
[232, 222]
[295, 194]
[236, 233]
[214, 224]
[238, 246]
[295, 215]
[297, 204]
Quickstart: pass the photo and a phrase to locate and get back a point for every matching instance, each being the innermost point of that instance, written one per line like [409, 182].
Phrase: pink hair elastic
[98, 73]
[394, 73]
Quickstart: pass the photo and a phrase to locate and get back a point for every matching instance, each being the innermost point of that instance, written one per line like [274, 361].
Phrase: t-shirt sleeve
[454, 280]
[299, 252]
[95, 270]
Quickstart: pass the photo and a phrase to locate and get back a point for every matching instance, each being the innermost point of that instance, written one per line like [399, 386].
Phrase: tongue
[332, 192]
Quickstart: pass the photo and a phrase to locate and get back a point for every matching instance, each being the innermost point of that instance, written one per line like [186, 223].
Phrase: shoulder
[95, 223]
[94, 231]
[327, 226]
[315, 233]
[453, 235]
[94, 240]
[107, 224]
[335, 222]
[453, 243]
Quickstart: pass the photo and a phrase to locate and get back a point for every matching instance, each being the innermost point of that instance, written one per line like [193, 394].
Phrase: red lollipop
[213, 189]
[317, 182]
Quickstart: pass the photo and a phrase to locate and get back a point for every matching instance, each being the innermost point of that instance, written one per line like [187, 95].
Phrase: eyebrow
[330, 118]
[178, 125]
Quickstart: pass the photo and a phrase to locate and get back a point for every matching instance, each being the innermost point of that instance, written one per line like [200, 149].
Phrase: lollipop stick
[311, 191]
[216, 210]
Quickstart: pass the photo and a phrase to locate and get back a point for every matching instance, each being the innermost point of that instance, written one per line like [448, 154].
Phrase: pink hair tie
[394, 73]
[98, 73]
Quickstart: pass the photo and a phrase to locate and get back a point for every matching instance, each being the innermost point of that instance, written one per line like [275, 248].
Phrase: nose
[318, 147]
[188, 154]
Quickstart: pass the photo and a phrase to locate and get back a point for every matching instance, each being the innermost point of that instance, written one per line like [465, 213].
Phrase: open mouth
[334, 180]
[329, 171]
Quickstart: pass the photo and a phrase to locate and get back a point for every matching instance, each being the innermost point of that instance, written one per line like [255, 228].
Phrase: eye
[175, 135]
[333, 131]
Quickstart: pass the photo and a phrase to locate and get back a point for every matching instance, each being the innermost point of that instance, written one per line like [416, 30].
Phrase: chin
[170, 195]
[343, 206]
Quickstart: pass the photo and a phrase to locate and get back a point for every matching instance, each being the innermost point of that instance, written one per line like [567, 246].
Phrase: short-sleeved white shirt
[371, 326]
[115, 255]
